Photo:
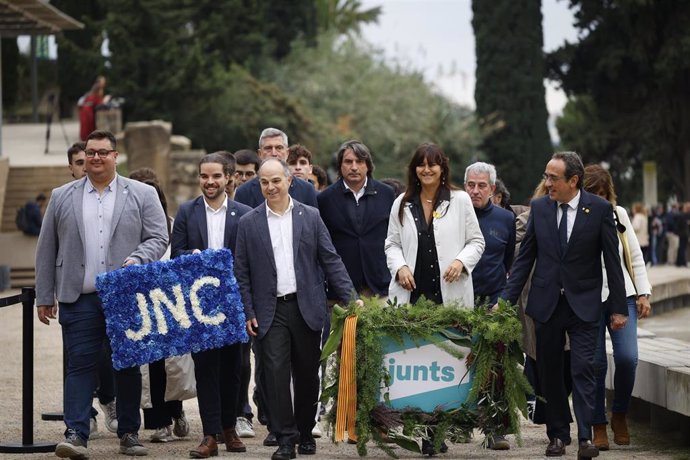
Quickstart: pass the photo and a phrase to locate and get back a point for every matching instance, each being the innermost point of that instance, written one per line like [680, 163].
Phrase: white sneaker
[110, 412]
[316, 431]
[181, 426]
[162, 434]
[244, 428]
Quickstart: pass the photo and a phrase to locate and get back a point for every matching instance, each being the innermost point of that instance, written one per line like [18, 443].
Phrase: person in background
[231, 186]
[162, 414]
[319, 178]
[87, 107]
[77, 160]
[683, 232]
[32, 215]
[638, 289]
[658, 234]
[489, 276]
[273, 143]
[299, 161]
[396, 184]
[672, 240]
[246, 166]
[434, 240]
[640, 225]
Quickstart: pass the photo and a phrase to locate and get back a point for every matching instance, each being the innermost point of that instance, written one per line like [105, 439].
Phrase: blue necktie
[563, 228]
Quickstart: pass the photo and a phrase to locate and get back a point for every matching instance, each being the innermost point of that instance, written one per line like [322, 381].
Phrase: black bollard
[28, 311]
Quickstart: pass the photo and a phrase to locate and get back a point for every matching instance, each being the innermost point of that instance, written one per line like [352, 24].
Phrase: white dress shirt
[215, 224]
[280, 228]
[359, 194]
[97, 212]
[572, 213]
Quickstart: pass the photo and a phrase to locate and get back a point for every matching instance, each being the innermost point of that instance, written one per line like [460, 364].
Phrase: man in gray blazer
[283, 252]
[96, 224]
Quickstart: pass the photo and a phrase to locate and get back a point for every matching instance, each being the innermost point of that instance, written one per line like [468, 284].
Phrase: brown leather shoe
[586, 450]
[556, 448]
[601, 437]
[207, 448]
[232, 441]
[620, 429]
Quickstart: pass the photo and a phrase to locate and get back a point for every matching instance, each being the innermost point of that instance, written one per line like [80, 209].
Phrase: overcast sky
[436, 36]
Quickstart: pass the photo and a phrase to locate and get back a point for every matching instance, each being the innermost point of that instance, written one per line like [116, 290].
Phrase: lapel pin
[586, 210]
[232, 213]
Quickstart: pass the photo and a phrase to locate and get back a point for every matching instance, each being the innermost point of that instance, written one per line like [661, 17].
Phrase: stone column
[147, 144]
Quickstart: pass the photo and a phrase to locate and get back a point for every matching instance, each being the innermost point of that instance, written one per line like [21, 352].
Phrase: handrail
[26, 298]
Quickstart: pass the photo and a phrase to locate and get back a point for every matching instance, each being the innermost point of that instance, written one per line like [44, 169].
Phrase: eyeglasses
[247, 174]
[90, 153]
[551, 177]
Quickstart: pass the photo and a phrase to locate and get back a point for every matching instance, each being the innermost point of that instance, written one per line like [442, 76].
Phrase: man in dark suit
[211, 221]
[567, 232]
[355, 210]
[273, 143]
[283, 253]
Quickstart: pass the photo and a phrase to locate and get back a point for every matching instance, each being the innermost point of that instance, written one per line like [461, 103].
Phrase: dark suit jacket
[190, 231]
[359, 231]
[249, 193]
[578, 271]
[314, 256]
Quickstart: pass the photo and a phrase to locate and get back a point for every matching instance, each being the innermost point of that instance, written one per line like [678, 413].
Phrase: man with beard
[210, 222]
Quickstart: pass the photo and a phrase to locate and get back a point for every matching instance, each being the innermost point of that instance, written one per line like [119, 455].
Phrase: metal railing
[26, 298]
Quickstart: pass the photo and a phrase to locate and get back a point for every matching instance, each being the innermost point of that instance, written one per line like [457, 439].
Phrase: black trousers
[217, 373]
[243, 407]
[162, 412]
[290, 350]
[550, 369]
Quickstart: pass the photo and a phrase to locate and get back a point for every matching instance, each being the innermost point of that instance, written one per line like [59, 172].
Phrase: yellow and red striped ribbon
[346, 414]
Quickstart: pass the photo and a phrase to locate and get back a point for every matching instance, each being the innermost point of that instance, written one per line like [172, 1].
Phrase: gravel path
[48, 398]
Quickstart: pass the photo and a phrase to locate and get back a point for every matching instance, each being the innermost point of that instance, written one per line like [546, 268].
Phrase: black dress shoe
[556, 448]
[271, 440]
[587, 450]
[284, 452]
[307, 447]
[307, 444]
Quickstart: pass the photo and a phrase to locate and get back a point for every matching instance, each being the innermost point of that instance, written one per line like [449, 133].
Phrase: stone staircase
[24, 183]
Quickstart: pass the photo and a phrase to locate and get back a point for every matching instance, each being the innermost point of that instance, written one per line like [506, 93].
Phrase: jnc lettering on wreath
[172, 307]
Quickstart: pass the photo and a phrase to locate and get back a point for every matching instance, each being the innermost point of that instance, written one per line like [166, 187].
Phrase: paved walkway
[646, 444]
[24, 143]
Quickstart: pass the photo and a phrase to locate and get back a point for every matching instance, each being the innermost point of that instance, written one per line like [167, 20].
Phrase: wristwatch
[644, 295]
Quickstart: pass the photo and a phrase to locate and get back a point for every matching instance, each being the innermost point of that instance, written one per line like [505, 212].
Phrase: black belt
[287, 297]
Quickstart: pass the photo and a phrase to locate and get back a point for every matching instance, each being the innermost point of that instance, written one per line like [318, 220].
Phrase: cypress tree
[510, 91]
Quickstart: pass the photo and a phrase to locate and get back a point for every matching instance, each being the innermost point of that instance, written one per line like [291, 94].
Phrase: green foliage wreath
[498, 391]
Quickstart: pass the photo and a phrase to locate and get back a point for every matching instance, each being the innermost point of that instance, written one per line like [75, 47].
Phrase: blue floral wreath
[172, 307]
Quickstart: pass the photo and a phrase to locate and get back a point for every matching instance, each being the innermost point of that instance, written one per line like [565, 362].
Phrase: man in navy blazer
[567, 232]
[355, 210]
[273, 143]
[211, 221]
[283, 253]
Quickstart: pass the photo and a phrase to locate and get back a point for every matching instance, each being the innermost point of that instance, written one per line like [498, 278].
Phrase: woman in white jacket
[624, 341]
[434, 240]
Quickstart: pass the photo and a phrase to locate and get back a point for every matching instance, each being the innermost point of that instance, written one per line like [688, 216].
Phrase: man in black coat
[355, 210]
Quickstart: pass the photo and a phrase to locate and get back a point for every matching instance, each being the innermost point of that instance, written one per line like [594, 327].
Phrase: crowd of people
[572, 261]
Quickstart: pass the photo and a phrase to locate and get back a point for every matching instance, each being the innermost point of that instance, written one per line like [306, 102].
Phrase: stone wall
[184, 177]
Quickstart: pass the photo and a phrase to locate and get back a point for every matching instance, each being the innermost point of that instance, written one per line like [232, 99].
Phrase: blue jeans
[83, 328]
[624, 343]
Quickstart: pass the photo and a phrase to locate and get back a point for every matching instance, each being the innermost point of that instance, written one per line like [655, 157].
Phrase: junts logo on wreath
[424, 375]
[172, 307]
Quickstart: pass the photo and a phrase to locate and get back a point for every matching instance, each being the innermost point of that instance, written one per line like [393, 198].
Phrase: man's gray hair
[482, 168]
[282, 162]
[272, 132]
